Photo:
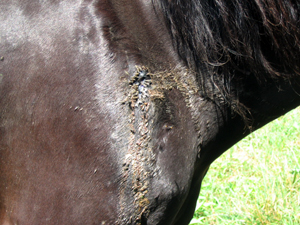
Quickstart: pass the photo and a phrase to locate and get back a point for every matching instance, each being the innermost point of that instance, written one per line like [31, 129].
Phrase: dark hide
[111, 111]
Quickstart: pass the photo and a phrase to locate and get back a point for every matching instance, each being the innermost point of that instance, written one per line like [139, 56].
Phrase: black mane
[233, 43]
[250, 36]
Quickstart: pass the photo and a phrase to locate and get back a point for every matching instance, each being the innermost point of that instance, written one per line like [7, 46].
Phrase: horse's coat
[111, 111]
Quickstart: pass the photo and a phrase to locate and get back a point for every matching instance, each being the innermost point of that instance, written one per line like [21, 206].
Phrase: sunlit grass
[257, 181]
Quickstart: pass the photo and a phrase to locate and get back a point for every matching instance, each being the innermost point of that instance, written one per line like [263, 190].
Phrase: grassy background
[257, 181]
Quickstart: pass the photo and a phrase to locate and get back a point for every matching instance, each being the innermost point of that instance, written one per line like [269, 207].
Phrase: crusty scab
[139, 164]
[141, 74]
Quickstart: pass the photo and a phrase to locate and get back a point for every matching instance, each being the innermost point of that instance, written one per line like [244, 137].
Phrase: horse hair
[234, 39]
[233, 34]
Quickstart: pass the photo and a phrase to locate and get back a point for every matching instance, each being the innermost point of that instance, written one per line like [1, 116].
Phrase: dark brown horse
[112, 110]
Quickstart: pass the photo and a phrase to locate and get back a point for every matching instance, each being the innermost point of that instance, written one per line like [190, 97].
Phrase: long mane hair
[259, 34]
[235, 39]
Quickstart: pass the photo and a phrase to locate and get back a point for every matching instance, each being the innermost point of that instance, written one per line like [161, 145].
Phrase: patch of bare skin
[139, 164]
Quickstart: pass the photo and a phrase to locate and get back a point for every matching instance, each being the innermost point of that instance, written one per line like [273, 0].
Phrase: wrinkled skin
[69, 127]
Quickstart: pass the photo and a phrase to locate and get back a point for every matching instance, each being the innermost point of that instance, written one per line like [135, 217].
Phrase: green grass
[257, 181]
